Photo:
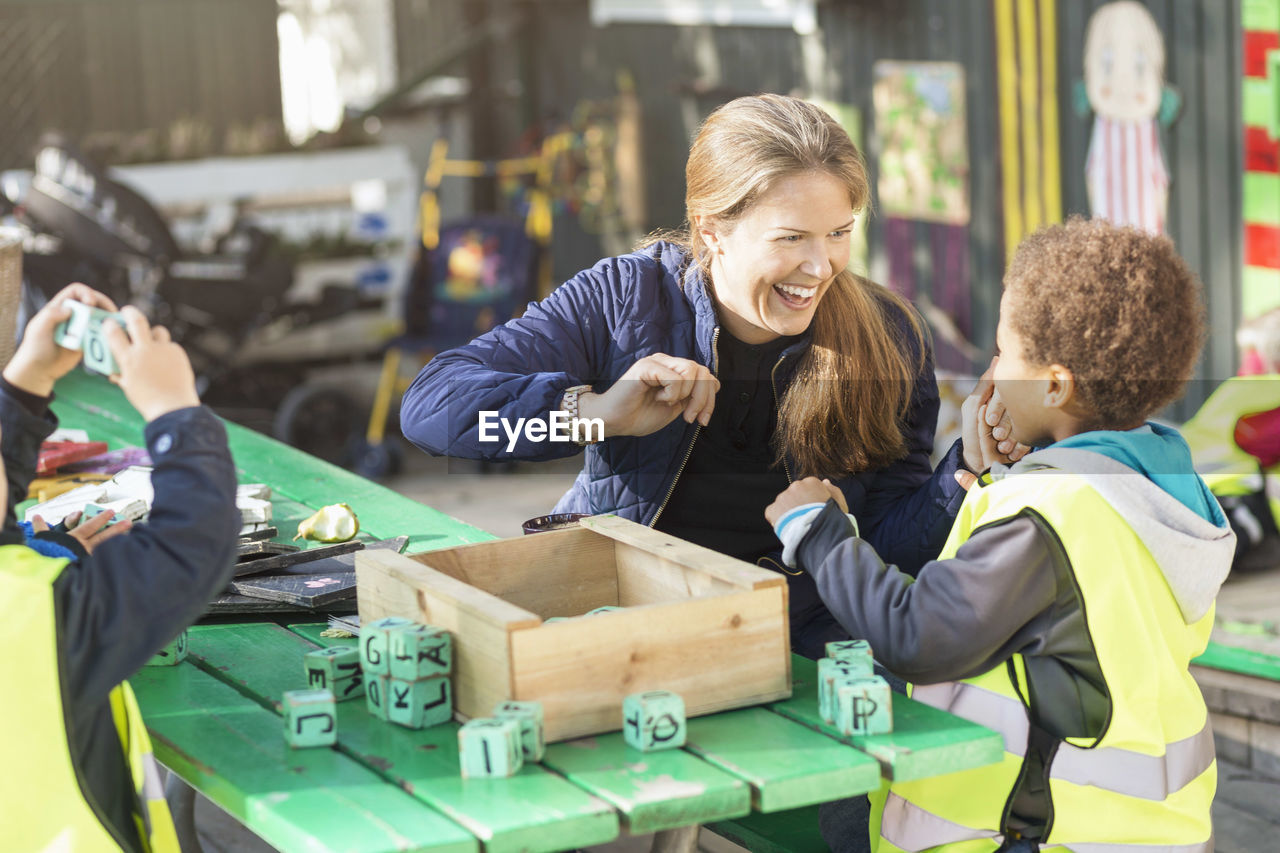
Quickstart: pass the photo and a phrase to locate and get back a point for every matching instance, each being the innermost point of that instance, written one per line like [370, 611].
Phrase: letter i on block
[336, 668]
[310, 718]
[375, 645]
[533, 742]
[420, 651]
[864, 706]
[654, 720]
[831, 674]
[172, 654]
[488, 747]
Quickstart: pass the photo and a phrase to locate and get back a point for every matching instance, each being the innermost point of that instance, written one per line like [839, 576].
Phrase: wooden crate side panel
[717, 653]
[644, 578]
[729, 570]
[558, 573]
[393, 585]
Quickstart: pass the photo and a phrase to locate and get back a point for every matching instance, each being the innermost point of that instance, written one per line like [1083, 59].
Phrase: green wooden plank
[1247, 661]
[1261, 15]
[653, 791]
[185, 689]
[533, 811]
[794, 831]
[234, 751]
[925, 741]
[786, 764]
[311, 631]
[90, 402]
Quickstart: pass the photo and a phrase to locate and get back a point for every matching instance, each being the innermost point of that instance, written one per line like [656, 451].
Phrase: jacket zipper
[715, 370]
[777, 406]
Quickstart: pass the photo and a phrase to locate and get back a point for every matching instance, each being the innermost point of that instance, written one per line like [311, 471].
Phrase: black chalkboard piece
[306, 590]
[276, 563]
[319, 583]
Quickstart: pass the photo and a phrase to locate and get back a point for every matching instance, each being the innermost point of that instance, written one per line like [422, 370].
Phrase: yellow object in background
[332, 523]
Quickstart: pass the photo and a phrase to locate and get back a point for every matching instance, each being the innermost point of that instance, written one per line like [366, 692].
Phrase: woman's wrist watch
[569, 405]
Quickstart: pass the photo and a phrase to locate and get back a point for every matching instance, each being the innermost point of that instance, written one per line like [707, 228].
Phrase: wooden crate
[709, 627]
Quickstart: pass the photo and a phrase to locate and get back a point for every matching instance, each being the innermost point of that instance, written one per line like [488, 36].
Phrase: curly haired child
[1076, 585]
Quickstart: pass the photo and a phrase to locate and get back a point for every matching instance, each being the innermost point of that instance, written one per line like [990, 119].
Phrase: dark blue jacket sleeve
[517, 370]
[138, 591]
[21, 434]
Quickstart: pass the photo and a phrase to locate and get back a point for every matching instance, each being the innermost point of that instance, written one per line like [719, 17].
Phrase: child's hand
[91, 533]
[155, 373]
[39, 362]
[810, 490]
[986, 430]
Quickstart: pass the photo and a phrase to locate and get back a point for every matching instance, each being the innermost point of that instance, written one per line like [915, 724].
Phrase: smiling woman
[724, 360]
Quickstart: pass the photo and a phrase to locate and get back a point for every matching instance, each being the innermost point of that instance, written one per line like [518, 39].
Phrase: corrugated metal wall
[682, 73]
[129, 66]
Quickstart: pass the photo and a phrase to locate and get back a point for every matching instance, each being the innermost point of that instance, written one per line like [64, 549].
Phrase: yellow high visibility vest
[1218, 459]
[1147, 783]
[42, 799]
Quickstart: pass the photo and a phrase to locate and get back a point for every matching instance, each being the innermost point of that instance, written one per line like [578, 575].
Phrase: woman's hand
[810, 490]
[91, 533]
[651, 394]
[986, 430]
[39, 362]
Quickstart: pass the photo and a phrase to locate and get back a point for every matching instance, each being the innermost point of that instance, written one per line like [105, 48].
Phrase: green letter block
[336, 668]
[533, 742]
[831, 674]
[654, 720]
[850, 651]
[864, 706]
[419, 704]
[310, 718]
[172, 654]
[376, 695]
[375, 645]
[488, 747]
[420, 651]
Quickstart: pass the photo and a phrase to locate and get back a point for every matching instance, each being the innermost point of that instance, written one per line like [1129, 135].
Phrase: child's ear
[1061, 388]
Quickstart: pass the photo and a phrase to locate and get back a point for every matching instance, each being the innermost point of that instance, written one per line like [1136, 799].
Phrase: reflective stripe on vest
[1206, 847]
[910, 827]
[155, 823]
[1135, 774]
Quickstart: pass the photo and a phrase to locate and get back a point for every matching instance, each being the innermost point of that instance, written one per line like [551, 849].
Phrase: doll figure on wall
[1124, 86]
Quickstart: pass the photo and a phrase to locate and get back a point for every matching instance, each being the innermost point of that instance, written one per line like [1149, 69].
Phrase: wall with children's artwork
[977, 117]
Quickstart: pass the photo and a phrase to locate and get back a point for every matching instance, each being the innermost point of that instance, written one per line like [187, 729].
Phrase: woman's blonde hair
[846, 408]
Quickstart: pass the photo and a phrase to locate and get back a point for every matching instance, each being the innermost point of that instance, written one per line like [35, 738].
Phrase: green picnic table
[754, 775]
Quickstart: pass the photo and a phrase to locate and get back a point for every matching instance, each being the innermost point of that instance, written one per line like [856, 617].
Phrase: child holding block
[76, 625]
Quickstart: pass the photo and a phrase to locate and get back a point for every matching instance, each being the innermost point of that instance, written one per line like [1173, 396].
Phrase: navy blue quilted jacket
[592, 329]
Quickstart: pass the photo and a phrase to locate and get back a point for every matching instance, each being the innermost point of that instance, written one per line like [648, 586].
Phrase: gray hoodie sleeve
[958, 617]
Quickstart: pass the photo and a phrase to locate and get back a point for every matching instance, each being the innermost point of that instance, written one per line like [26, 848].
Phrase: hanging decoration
[923, 151]
[1125, 171]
